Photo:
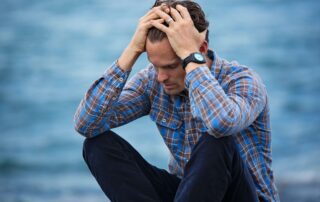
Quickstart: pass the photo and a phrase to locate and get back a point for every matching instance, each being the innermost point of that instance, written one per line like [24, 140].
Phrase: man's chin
[172, 91]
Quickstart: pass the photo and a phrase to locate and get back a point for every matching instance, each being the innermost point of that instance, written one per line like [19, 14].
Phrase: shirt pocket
[165, 118]
[169, 125]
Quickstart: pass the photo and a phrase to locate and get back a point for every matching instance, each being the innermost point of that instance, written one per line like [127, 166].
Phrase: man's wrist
[134, 50]
[186, 53]
[128, 58]
[192, 61]
[192, 66]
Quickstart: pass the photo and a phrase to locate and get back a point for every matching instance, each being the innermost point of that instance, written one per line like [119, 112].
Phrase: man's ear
[204, 48]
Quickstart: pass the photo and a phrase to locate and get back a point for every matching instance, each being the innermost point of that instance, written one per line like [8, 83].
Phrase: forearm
[98, 102]
[225, 110]
[128, 58]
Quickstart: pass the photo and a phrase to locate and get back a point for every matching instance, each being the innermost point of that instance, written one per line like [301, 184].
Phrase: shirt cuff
[116, 74]
[197, 76]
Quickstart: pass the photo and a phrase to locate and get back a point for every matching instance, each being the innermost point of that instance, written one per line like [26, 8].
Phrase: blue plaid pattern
[228, 99]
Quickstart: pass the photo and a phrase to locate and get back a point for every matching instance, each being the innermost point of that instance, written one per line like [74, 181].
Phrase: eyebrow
[172, 64]
[175, 63]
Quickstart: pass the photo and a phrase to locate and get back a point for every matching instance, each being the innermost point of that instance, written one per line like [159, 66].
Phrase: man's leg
[216, 172]
[123, 174]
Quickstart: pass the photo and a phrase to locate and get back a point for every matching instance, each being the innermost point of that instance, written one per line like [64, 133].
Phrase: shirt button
[114, 98]
[164, 120]
[121, 79]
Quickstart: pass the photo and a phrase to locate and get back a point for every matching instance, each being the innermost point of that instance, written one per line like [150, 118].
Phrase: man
[213, 116]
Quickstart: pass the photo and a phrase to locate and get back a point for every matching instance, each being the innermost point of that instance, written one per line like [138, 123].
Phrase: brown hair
[197, 15]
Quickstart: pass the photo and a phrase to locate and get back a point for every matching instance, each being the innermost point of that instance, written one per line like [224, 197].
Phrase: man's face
[168, 66]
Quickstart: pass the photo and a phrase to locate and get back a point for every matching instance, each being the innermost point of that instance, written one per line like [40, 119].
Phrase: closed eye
[172, 66]
[168, 67]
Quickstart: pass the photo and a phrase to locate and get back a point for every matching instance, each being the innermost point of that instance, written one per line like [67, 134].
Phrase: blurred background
[52, 51]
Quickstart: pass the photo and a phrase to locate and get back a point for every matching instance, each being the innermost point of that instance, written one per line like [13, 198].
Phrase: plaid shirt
[229, 99]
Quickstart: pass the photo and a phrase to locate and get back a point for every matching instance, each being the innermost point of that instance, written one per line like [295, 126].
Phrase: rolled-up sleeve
[108, 103]
[228, 106]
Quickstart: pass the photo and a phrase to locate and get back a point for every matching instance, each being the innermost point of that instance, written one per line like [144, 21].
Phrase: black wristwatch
[193, 57]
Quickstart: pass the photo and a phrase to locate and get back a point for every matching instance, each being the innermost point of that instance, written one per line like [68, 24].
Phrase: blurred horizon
[52, 51]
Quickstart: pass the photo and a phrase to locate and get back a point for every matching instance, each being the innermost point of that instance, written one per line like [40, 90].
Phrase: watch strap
[193, 57]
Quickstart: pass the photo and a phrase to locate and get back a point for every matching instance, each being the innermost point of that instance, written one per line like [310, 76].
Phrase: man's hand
[138, 41]
[137, 44]
[182, 34]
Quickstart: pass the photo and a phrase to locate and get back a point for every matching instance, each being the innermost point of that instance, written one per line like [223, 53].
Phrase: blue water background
[51, 52]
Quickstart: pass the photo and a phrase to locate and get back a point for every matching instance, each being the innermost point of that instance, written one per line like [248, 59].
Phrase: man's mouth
[169, 86]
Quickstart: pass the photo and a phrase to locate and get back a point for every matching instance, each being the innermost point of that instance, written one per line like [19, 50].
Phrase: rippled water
[51, 51]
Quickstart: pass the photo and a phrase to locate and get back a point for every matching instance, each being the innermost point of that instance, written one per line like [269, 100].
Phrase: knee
[212, 143]
[217, 149]
[94, 141]
[95, 145]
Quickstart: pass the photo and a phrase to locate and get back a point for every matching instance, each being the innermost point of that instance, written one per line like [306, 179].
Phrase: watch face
[199, 57]
[193, 57]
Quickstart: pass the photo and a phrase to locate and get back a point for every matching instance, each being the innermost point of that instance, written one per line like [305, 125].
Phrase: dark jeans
[215, 172]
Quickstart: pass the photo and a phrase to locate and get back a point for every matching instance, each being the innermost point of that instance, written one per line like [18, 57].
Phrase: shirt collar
[217, 61]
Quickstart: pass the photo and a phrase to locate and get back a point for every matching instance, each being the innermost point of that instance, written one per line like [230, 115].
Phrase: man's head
[197, 15]
[160, 53]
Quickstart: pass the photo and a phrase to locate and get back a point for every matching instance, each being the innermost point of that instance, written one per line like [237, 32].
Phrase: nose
[162, 76]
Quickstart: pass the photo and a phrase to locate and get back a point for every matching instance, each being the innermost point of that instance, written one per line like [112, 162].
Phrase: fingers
[160, 26]
[164, 16]
[157, 21]
[164, 7]
[175, 15]
[162, 12]
[183, 12]
[149, 16]
[153, 13]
